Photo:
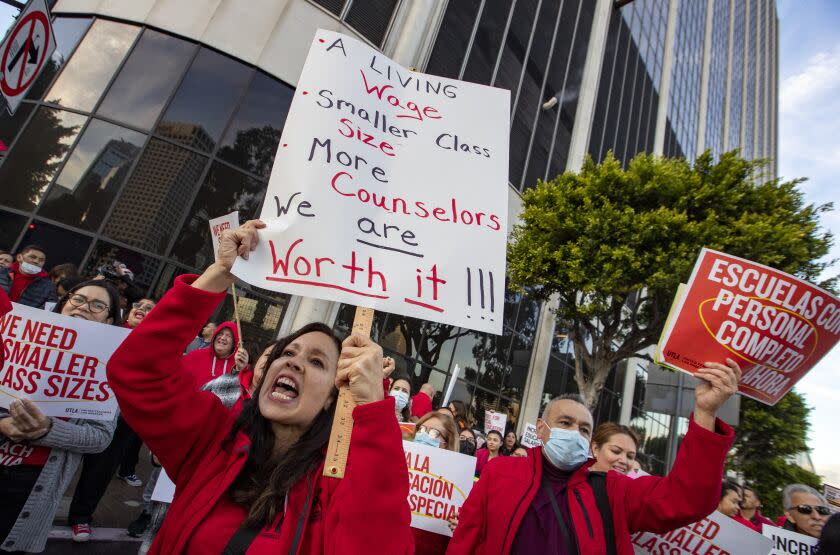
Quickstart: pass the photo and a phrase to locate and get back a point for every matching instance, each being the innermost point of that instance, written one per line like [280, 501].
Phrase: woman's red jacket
[367, 510]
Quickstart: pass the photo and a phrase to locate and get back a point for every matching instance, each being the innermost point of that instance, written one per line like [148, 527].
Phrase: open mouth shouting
[285, 389]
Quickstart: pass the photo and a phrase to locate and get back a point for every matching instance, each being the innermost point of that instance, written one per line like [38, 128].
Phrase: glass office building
[153, 116]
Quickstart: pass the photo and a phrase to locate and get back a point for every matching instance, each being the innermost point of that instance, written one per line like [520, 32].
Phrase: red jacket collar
[15, 268]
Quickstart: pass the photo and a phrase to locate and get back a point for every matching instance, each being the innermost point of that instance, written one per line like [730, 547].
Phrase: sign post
[388, 192]
[24, 51]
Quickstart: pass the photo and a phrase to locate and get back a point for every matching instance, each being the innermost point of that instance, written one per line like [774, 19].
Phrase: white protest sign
[164, 490]
[786, 542]
[219, 225]
[24, 52]
[439, 482]
[389, 190]
[716, 534]
[494, 421]
[530, 437]
[58, 362]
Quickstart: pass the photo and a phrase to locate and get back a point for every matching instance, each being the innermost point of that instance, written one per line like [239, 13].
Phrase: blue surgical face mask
[401, 398]
[566, 449]
[426, 439]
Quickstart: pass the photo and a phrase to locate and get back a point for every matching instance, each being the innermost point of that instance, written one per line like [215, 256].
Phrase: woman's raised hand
[234, 242]
[360, 366]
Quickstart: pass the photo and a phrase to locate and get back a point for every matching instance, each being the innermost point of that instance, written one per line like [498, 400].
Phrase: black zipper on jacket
[585, 514]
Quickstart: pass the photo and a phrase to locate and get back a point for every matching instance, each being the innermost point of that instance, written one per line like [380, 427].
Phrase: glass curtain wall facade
[120, 152]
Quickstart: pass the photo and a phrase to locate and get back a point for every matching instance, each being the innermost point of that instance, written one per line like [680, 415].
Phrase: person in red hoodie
[550, 502]
[25, 280]
[251, 479]
[221, 357]
[750, 513]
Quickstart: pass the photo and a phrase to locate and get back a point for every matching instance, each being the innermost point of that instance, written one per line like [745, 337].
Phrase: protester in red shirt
[221, 357]
[251, 480]
[436, 429]
[422, 402]
[491, 450]
[750, 514]
[551, 502]
[25, 280]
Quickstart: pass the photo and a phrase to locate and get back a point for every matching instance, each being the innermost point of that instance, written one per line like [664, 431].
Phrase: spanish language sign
[389, 190]
[58, 362]
[717, 533]
[439, 482]
[786, 542]
[776, 326]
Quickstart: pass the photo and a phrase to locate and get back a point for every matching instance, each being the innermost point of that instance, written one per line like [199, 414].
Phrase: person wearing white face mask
[25, 280]
[553, 502]
[401, 390]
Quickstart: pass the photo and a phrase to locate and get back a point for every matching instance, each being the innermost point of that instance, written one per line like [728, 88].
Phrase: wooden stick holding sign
[342, 428]
[236, 314]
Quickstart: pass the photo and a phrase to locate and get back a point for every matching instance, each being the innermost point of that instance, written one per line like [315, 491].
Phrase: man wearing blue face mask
[550, 502]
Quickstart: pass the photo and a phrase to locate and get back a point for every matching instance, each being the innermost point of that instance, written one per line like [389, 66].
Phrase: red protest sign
[775, 325]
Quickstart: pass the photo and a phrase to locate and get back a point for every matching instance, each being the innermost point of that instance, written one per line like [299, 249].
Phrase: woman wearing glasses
[436, 429]
[49, 449]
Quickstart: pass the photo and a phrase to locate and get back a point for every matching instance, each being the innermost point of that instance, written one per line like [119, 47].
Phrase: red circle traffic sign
[34, 18]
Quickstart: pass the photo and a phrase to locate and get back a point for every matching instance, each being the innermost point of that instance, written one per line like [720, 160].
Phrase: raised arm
[692, 489]
[369, 510]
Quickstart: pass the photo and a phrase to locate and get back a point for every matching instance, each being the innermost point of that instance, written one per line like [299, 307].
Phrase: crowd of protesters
[242, 435]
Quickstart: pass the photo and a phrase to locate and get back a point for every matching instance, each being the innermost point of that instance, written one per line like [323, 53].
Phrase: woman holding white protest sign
[251, 480]
[38, 454]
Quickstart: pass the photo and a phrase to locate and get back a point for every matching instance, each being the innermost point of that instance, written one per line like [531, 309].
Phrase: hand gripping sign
[58, 362]
[775, 325]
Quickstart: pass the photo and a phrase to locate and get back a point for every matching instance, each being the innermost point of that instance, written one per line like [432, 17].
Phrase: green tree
[614, 244]
[766, 439]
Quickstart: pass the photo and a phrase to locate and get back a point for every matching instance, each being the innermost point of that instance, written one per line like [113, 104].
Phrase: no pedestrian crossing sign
[24, 52]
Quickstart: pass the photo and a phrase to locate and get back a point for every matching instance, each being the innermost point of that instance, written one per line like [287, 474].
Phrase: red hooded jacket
[203, 364]
[367, 508]
[491, 516]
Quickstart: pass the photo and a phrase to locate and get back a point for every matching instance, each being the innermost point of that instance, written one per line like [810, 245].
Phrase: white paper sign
[58, 362]
[716, 534]
[219, 225]
[164, 490]
[439, 482]
[530, 437]
[494, 421]
[785, 542]
[389, 190]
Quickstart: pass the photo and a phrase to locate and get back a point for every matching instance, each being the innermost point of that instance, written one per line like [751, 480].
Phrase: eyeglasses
[468, 439]
[142, 306]
[433, 433]
[93, 305]
[822, 510]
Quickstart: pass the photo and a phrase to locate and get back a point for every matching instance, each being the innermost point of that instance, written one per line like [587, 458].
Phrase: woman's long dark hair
[262, 484]
[113, 298]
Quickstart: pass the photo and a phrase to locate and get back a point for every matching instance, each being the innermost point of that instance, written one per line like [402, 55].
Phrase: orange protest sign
[775, 325]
